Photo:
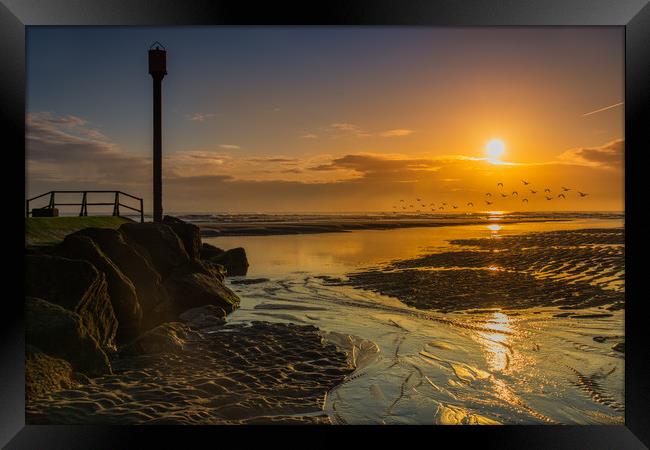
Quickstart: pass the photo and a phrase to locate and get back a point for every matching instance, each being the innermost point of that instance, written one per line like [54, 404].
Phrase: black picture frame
[633, 15]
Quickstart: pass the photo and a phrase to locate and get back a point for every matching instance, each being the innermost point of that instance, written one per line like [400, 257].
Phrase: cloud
[229, 146]
[339, 129]
[610, 155]
[199, 117]
[396, 133]
[343, 128]
[273, 159]
[370, 166]
[65, 148]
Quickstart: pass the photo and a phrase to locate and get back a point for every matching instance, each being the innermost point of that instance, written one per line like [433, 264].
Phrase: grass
[52, 230]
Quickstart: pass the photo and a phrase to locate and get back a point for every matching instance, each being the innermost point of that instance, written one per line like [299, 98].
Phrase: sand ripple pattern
[261, 373]
[567, 269]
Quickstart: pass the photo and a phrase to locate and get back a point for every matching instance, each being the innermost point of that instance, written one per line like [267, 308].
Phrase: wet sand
[238, 374]
[509, 347]
[567, 269]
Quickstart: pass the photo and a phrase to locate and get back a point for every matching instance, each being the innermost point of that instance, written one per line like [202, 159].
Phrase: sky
[333, 119]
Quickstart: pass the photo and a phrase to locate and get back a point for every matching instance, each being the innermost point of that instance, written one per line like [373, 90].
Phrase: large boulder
[77, 286]
[209, 251]
[120, 289]
[189, 234]
[45, 374]
[170, 337]
[61, 333]
[233, 260]
[199, 284]
[163, 247]
[151, 294]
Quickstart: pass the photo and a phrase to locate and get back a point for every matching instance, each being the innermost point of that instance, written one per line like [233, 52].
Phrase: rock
[189, 234]
[162, 246]
[199, 284]
[234, 261]
[151, 294]
[620, 347]
[204, 317]
[77, 286]
[45, 374]
[169, 337]
[208, 251]
[62, 333]
[121, 291]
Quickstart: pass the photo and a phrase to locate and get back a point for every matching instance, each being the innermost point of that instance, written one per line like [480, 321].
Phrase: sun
[495, 148]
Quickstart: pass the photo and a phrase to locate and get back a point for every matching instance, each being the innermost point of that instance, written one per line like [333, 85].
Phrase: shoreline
[211, 229]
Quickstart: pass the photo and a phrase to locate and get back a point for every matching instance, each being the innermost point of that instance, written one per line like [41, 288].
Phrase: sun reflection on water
[496, 343]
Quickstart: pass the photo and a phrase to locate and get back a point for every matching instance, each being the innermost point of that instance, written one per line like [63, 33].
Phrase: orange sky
[339, 119]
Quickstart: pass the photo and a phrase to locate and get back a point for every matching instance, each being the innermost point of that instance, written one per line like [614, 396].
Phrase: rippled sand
[566, 269]
[262, 373]
[520, 329]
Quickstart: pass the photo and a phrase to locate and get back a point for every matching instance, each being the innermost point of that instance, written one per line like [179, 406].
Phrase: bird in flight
[444, 204]
[525, 200]
[526, 183]
[515, 193]
[547, 190]
[488, 203]
[454, 206]
[488, 194]
[418, 199]
[549, 198]
[582, 194]
[401, 200]
[441, 207]
[561, 196]
[565, 189]
[533, 192]
[470, 204]
[499, 184]
[504, 195]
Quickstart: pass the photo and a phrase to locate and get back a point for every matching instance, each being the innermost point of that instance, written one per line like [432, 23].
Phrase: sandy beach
[565, 269]
[260, 373]
[493, 323]
[319, 224]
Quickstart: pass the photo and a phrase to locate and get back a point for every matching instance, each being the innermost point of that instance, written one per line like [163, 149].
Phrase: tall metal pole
[157, 70]
[157, 150]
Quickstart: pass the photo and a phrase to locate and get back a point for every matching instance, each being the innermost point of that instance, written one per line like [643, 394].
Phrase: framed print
[314, 220]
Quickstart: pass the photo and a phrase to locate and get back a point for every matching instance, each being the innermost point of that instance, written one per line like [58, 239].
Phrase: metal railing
[84, 202]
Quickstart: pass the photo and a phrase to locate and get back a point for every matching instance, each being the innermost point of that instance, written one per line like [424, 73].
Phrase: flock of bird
[489, 198]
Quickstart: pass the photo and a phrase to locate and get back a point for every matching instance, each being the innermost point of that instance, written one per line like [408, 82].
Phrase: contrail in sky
[603, 109]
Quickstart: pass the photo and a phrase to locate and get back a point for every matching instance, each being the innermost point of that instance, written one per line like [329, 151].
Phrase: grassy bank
[51, 230]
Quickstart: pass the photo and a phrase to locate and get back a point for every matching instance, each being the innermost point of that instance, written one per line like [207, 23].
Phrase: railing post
[84, 207]
[51, 206]
[141, 212]
[116, 206]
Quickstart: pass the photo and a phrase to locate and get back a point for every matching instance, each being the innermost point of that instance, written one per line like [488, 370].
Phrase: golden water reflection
[496, 342]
